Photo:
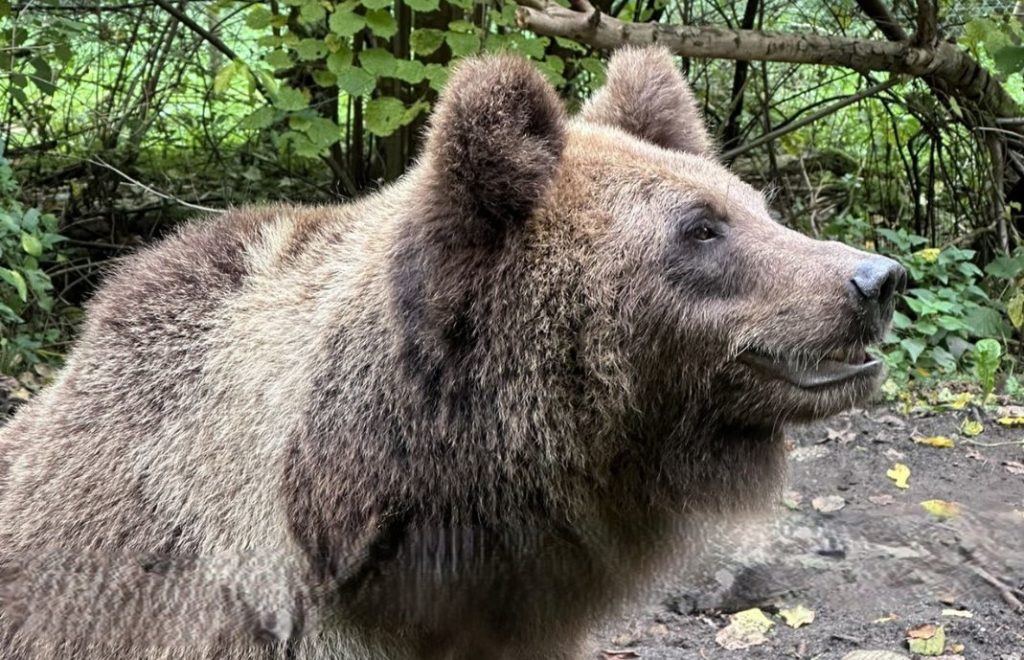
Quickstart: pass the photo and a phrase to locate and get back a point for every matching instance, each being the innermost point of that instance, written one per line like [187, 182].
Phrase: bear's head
[693, 296]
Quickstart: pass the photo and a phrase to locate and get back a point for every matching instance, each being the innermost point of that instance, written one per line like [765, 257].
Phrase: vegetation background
[896, 127]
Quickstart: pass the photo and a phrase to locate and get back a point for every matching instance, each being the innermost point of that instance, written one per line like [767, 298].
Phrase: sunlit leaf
[900, 474]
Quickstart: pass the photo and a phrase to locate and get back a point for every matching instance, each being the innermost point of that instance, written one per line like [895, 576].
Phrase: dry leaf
[792, 499]
[1010, 411]
[1014, 467]
[956, 647]
[797, 616]
[971, 428]
[887, 618]
[966, 614]
[828, 503]
[881, 500]
[746, 629]
[899, 473]
[941, 509]
[935, 441]
[928, 639]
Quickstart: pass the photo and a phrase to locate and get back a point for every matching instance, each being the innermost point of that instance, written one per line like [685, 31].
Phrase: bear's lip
[834, 368]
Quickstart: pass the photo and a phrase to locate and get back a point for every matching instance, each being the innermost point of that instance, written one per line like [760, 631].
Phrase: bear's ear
[495, 142]
[648, 97]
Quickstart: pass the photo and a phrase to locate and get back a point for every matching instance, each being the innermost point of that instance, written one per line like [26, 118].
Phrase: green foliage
[942, 314]
[987, 354]
[28, 240]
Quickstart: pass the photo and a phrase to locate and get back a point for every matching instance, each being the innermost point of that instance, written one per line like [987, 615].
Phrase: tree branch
[944, 62]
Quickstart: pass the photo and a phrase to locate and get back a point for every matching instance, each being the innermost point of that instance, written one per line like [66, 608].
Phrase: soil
[872, 570]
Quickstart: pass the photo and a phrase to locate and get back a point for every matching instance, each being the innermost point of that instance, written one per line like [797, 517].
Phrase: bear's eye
[703, 233]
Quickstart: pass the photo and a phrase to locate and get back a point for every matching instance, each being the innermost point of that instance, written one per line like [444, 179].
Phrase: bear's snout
[873, 288]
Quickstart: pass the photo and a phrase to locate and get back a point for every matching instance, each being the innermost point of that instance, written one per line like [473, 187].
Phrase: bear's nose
[877, 279]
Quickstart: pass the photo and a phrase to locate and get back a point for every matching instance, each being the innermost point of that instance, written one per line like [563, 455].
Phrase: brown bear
[456, 419]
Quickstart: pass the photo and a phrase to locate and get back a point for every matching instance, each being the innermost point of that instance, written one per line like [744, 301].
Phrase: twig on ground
[1008, 593]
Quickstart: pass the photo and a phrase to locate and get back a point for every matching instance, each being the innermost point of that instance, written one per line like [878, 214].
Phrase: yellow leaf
[1011, 421]
[899, 473]
[1015, 310]
[797, 616]
[746, 629]
[941, 509]
[961, 400]
[927, 640]
[971, 428]
[935, 441]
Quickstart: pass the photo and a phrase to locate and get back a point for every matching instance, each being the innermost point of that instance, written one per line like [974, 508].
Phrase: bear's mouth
[815, 371]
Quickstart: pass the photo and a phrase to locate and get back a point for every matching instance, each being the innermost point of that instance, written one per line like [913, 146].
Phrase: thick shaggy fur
[456, 419]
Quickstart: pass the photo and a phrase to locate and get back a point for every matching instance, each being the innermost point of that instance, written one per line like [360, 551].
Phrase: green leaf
[42, 77]
[356, 81]
[322, 132]
[346, 23]
[378, 62]
[425, 41]
[422, 5]
[278, 59]
[310, 49]
[339, 61]
[325, 78]
[462, 44]
[312, 12]
[381, 23]
[258, 18]
[409, 71]
[15, 279]
[384, 115]
[291, 99]
[437, 74]
[985, 322]
[31, 245]
[1005, 267]
[1009, 59]
[462, 26]
[224, 77]
[259, 119]
[376, 4]
[30, 221]
[914, 346]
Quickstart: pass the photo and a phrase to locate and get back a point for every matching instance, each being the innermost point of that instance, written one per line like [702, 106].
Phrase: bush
[28, 239]
[943, 313]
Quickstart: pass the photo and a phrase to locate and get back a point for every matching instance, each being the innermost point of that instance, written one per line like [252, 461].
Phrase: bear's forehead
[621, 160]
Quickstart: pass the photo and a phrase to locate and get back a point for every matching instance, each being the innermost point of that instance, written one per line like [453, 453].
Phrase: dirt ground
[872, 570]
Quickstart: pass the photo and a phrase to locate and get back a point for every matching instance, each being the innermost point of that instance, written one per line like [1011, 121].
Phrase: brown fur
[456, 419]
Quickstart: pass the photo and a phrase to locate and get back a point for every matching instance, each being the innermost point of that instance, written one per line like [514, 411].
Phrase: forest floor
[871, 563]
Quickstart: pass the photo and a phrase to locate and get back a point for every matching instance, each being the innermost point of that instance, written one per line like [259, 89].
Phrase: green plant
[987, 354]
[943, 313]
[28, 239]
